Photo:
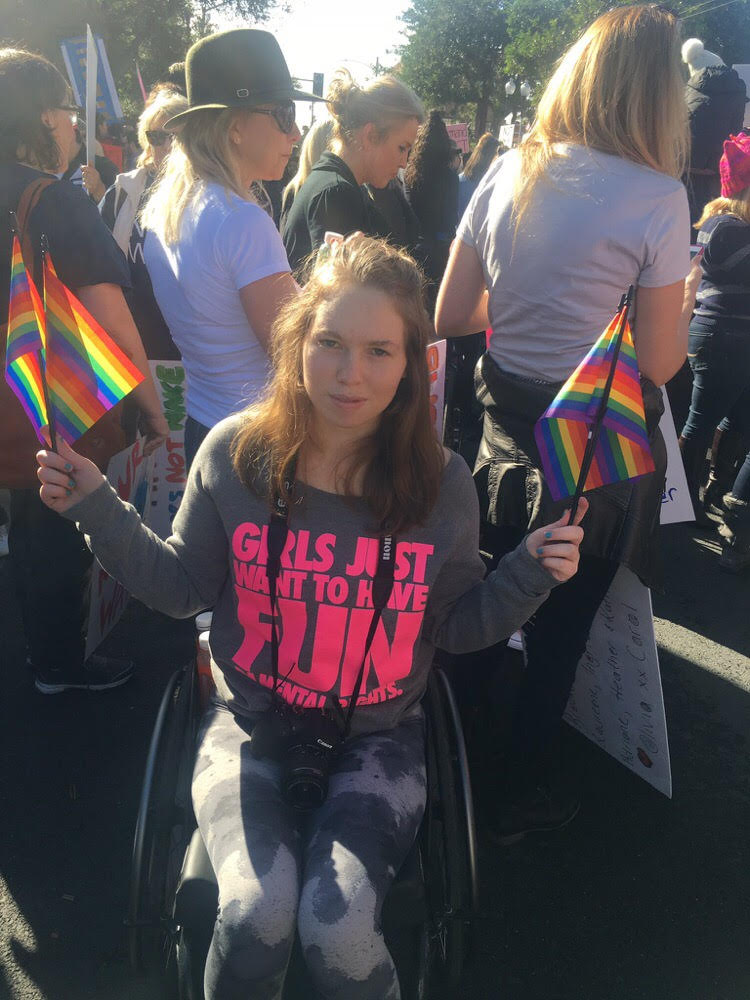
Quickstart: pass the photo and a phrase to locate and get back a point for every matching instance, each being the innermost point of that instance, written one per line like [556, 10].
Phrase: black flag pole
[595, 429]
[43, 359]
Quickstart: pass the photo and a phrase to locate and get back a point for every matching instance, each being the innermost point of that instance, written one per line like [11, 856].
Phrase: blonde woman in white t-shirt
[216, 261]
[590, 203]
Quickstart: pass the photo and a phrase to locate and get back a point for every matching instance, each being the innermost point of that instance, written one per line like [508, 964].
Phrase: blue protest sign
[74, 54]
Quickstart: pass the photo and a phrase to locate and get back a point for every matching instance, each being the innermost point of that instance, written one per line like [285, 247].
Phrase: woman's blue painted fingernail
[69, 492]
[548, 534]
[540, 551]
[72, 483]
[68, 466]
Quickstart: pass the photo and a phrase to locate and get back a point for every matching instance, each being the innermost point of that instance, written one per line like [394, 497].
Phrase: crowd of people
[319, 503]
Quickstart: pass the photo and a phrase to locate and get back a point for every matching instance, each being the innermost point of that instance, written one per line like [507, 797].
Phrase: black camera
[305, 741]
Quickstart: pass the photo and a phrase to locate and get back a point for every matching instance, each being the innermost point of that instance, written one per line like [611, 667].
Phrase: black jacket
[330, 200]
[716, 98]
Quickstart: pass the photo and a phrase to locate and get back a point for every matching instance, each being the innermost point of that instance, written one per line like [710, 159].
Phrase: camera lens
[306, 787]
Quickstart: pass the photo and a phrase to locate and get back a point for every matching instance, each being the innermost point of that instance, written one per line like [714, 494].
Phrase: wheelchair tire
[163, 828]
[448, 849]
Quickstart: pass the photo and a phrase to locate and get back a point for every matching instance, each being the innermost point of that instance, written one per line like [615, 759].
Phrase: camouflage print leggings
[326, 876]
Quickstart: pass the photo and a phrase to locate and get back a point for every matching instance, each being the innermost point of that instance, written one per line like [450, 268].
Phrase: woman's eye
[327, 342]
[380, 352]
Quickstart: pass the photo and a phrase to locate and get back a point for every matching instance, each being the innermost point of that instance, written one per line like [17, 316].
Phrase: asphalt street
[640, 898]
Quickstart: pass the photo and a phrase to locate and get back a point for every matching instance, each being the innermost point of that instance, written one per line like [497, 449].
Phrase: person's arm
[462, 299]
[661, 325]
[178, 577]
[465, 611]
[263, 299]
[107, 305]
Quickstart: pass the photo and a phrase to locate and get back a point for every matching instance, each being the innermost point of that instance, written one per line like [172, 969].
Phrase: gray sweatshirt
[216, 558]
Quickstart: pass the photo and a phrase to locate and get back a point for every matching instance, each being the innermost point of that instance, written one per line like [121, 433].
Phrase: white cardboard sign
[617, 699]
[676, 505]
[436, 357]
[169, 474]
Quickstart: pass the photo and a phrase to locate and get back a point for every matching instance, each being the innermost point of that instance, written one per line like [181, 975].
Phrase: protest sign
[436, 355]
[74, 55]
[676, 505]
[129, 473]
[617, 700]
[459, 133]
[169, 472]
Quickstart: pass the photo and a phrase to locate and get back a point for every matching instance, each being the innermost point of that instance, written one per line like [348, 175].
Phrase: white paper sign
[436, 356]
[129, 472]
[169, 473]
[676, 505]
[617, 700]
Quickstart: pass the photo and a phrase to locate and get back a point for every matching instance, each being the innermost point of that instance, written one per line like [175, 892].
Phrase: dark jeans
[555, 640]
[194, 434]
[720, 360]
[50, 565]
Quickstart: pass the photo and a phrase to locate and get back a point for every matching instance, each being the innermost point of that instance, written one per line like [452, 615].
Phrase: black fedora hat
[240, 68]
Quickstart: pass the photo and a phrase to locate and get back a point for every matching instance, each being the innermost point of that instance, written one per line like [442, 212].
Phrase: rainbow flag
[622, 450]
[87, 373]
[24, 354]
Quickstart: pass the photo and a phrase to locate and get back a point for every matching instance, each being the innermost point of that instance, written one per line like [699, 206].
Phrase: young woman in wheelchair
[337, 543]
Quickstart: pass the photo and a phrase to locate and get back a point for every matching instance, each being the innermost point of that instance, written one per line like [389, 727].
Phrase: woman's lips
[349, 402]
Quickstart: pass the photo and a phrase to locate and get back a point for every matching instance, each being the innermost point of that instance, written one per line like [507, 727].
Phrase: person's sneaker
[3, 540]
[537, 810]
[98, 673]
[733, 559]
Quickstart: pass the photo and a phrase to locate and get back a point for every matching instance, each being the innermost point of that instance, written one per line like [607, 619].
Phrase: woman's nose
[349, 368]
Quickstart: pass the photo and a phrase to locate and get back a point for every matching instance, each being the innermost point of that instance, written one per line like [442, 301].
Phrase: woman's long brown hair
[402, 462]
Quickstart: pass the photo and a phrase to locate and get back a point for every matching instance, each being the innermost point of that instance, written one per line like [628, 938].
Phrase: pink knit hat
[734, 166]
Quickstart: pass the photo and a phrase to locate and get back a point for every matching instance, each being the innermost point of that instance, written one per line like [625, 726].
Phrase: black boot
[694, 460]
[727, 452]
[735, 535]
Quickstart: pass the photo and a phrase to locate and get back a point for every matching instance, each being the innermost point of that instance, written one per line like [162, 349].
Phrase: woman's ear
[48, 117]
[370, 135]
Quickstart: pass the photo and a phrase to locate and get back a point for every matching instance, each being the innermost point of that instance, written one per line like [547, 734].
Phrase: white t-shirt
[225, 244]
[596, 224]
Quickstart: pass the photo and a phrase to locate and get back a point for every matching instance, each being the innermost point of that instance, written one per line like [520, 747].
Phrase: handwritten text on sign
[617, 699]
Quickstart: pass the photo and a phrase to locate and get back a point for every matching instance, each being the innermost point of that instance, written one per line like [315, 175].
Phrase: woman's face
[353, 360]
[159, 141]
[384, 157]
[260, 147]
[63, 130]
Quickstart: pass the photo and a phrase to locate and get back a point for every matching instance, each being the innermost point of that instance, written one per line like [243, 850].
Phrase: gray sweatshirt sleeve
[179, 576]
[467, 612]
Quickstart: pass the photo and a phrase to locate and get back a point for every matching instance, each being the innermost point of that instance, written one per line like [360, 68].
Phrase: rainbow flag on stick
[64, 368]
[24, 358]
[594, 431]
[86, 371]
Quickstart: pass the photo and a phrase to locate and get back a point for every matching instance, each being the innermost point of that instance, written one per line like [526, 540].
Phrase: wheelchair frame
[426, 914]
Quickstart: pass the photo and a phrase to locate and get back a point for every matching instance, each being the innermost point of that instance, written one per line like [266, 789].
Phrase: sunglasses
[72, 111]
[283, 114]
[157, 136]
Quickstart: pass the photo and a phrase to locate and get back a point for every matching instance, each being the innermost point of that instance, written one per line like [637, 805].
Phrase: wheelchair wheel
[163, 828]
[448, 847]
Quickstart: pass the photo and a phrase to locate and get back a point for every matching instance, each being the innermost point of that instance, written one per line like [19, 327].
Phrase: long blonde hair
[200, 152]
[619, 90]
[739, 205]
[385, 102]
[164, 104]
[316, 143]
[402, 462]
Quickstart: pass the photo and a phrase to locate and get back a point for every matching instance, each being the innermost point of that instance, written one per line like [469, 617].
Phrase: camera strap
[382, 585]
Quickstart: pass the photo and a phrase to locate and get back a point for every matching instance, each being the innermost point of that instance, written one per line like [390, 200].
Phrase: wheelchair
[173, 897]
